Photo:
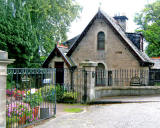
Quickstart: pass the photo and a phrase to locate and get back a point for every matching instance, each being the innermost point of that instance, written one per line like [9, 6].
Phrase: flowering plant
[19, 93]
[16, 111]
[10, 92]
[33, 98]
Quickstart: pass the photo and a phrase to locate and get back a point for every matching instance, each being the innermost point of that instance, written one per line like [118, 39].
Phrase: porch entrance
[59, 66]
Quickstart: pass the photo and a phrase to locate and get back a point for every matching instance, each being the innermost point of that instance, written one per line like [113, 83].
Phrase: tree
[15, 36]
[41, 24]
[149, 24]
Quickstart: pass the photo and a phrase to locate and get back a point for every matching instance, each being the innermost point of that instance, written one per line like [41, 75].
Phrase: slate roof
[135, 38]
[74, 42]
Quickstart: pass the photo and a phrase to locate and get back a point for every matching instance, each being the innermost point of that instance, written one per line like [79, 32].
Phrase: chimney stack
[121, 21]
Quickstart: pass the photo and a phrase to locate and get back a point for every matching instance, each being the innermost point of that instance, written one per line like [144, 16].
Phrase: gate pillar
[89, 77]
[4, 61]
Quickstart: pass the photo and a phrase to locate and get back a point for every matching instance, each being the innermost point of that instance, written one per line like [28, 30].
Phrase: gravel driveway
[130, 115]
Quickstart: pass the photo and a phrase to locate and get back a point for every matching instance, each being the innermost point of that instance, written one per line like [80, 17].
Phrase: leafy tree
[149, 24]
[33, 27]
[15, 36]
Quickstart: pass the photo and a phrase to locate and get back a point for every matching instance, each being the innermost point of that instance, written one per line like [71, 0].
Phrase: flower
[15, 112]
[10, 92]
[19, 93]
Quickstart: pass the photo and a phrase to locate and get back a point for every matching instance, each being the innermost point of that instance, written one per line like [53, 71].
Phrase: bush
[34, 99]
[10, 85]
[48, 93]
[70, 97]
[62, 96]
[59, 93]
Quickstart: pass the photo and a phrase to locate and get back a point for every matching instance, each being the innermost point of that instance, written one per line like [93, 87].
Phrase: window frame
[101, 41]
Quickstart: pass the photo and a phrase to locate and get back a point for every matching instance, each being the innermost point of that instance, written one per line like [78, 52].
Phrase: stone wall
[126, 91]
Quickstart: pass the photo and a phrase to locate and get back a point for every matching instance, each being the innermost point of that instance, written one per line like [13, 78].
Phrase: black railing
[127, 77]
[31, 96]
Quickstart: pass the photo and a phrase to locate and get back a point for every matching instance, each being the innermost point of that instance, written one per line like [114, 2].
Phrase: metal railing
[30, 96]
[127, 77]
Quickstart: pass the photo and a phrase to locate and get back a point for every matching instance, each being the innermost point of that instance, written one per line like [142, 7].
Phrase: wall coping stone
[127, 88]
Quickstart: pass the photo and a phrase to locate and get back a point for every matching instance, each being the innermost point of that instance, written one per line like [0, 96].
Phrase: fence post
[4, 61]
[90, 68]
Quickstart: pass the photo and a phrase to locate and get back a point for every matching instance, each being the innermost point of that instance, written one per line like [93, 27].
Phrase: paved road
[130, 115]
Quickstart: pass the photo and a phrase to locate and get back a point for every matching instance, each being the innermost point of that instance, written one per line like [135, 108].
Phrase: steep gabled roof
[62, 51]
[141, 57]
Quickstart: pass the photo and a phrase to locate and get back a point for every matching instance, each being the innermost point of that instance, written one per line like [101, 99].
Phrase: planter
[36, 110]
[22, 120]
[44, 113]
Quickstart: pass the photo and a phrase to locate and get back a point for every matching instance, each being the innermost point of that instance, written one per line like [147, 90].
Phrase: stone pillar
[4, 61]
[90, 67]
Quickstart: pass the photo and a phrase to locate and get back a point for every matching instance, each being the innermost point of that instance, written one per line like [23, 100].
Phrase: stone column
[4, 61]
[90, 67]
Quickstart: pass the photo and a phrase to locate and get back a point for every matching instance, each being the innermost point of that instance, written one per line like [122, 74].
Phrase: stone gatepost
[90, 68]
[4, 61]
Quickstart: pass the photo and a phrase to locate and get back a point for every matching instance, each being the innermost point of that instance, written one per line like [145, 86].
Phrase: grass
[73, 110]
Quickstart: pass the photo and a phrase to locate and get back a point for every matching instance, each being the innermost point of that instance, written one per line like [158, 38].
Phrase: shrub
[10, 84]
[48, 93]
[59, 93]
[34, 99]
[69, 97]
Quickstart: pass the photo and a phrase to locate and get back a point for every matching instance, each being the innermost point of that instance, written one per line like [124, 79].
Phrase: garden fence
[30, 96]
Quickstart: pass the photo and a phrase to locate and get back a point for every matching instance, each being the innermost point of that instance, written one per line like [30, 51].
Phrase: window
[100, 75]
[101, 41]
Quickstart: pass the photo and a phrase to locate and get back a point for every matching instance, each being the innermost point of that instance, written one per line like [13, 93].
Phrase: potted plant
[34, 100]
[18, 94]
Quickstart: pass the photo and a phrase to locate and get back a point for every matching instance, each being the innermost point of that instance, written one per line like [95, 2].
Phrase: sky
[112, 7]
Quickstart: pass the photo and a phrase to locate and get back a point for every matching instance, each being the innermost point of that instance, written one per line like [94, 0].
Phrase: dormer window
[101, 41]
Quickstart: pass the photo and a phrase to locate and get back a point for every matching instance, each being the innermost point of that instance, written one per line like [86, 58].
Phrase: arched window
[100, 75]
[101, 41]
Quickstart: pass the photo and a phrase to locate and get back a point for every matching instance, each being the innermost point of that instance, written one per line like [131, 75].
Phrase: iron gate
[30, 96]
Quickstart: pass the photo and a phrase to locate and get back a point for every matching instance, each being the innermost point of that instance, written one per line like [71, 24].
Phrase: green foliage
[29, 29]
[34, 99]
[10, 85]
[59, 93]
[149, 25]
[11, 120]
[69, 97]
[48, 93]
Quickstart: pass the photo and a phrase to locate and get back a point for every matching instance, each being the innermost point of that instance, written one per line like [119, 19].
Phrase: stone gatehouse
[105, 42]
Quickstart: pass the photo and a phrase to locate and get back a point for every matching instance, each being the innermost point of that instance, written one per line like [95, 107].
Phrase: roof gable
[141, 57]
[59, 51]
